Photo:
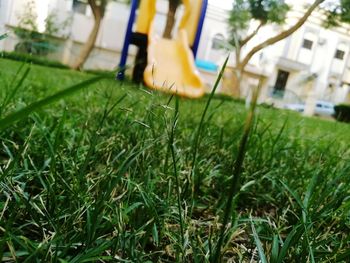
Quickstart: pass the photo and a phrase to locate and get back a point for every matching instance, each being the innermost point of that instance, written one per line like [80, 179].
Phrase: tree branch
[98, 10]
[253, 34]
[103, 6]
[94, 7]
[282, 35]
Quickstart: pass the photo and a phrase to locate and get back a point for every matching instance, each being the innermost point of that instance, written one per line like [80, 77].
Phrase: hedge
[32, 59]
[342, 112]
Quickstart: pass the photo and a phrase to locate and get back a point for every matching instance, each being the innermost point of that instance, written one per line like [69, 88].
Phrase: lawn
[119, 173]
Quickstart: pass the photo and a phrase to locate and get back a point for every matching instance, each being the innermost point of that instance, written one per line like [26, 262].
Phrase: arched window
[218, 42]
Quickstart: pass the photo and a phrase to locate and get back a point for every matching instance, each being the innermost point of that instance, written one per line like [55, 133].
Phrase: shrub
[226, 97]
[30, 39]
[342, 112]
[33, 42]
[99, 71]
[32, 59]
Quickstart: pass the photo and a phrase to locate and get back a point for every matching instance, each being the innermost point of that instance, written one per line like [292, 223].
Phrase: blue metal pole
[128, 34]
[200, 27]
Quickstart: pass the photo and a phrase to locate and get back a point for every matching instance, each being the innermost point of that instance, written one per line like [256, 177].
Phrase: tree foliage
[264, 11]
[338, 12]
[30, 39]
[268, 11]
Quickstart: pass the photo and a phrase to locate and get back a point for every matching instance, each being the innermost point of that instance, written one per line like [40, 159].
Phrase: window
[339, 54]
[307, 44]
[80, 6]
[218, 42]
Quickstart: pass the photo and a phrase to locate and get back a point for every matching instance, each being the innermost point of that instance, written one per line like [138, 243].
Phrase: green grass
[107, 175]
[29, 58]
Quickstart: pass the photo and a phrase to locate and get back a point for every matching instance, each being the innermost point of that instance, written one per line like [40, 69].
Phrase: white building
[312, 63]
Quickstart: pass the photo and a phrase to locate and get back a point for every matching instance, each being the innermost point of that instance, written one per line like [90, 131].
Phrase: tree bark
[98, 12]
[170, 20]
[239, 71]
[249, 37]
[88, 46]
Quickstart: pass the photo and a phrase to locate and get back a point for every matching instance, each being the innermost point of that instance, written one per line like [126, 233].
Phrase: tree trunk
[89, 45]
[170, 20]
[239, 70]
[98, 10]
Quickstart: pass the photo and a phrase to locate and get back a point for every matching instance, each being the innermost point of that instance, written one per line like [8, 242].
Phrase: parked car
[295, 106]
[323, 108]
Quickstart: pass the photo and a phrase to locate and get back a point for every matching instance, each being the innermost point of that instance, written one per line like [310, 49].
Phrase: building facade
[312, 64]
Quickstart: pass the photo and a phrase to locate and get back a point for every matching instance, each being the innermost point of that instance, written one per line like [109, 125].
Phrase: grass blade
[291, 239]
[23, 113]
[198, 181]
[237, 171]
[3, 36]
[14, 90]
[258, 244]
[275, 249]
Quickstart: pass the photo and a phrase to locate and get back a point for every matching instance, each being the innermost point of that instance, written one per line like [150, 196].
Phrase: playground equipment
[166, 64]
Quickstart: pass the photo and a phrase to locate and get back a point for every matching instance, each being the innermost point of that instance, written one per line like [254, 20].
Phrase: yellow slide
[171, 67]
